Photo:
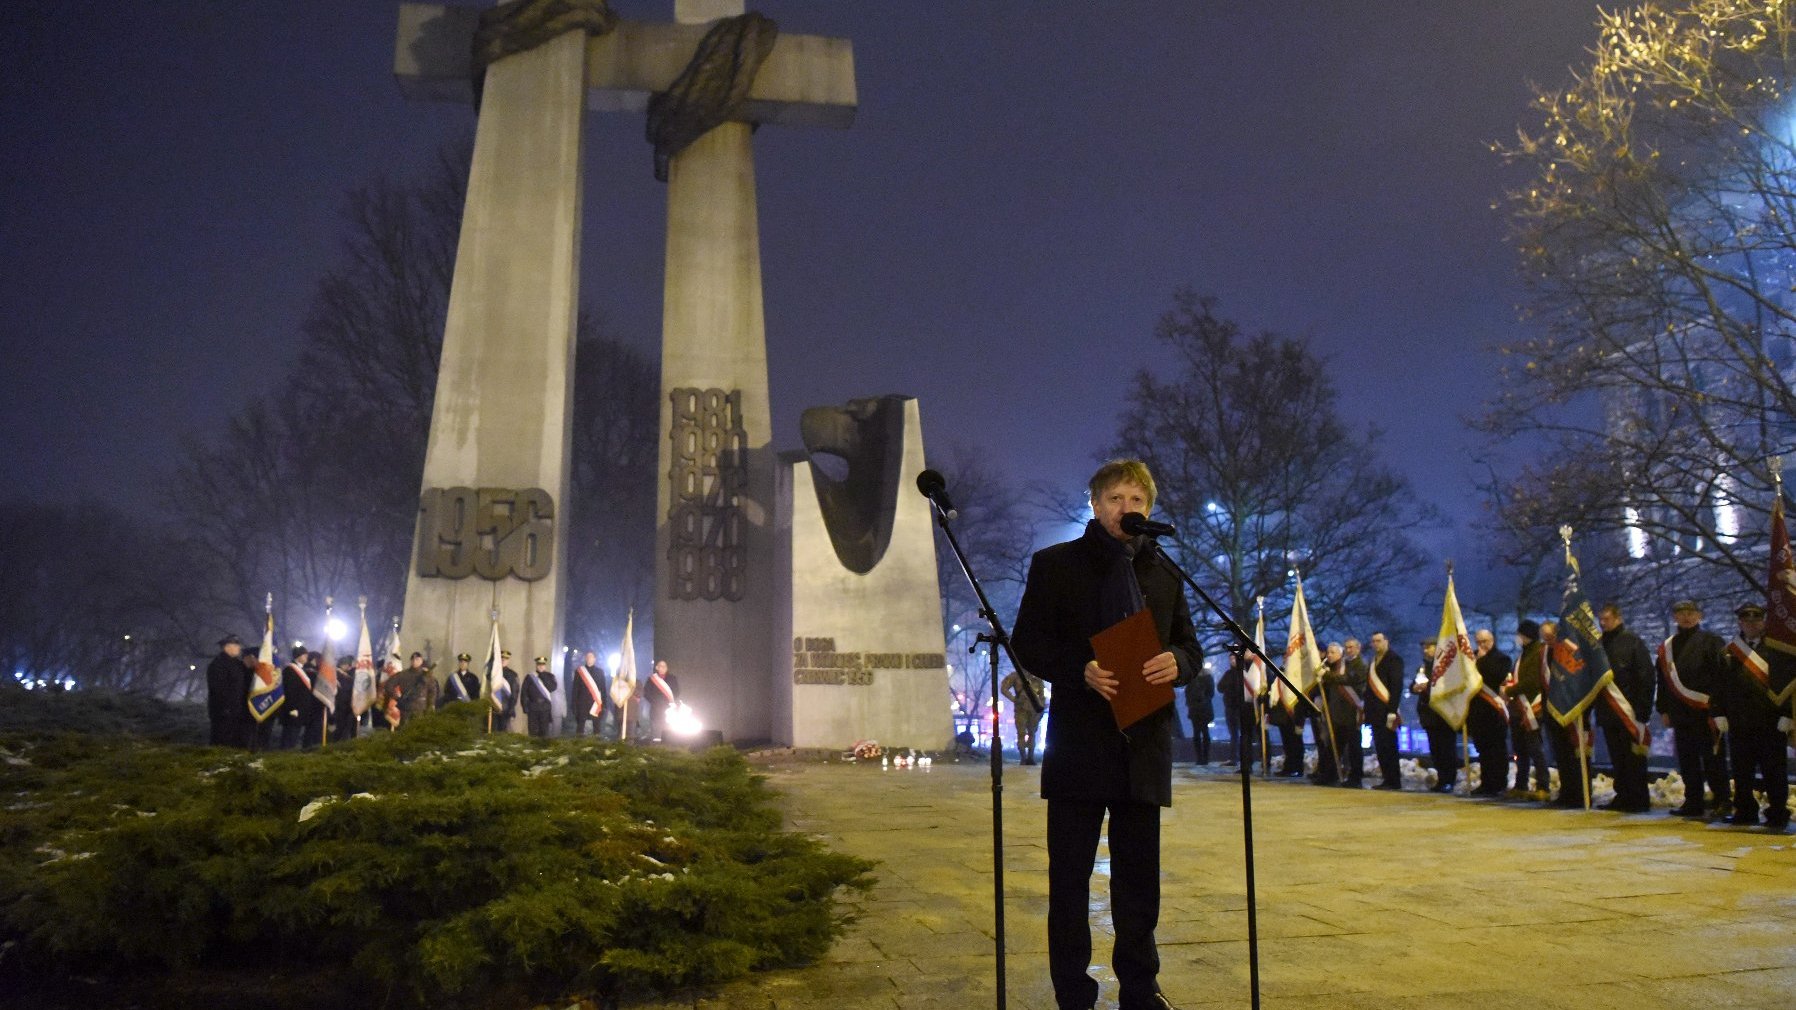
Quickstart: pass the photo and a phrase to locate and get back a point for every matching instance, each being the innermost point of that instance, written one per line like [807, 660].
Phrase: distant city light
[1636, 535]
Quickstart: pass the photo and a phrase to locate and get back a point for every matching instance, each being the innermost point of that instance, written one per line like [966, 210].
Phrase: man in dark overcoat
[1092, 768]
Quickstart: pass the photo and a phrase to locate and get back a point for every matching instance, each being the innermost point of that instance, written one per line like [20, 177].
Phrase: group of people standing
[307, 715]
[1726, 703]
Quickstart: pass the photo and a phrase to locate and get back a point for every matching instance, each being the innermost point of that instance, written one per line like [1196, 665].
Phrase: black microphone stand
[1242, 644]
[998, 638]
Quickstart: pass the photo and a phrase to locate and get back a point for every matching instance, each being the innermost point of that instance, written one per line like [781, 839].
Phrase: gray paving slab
[1406, 901]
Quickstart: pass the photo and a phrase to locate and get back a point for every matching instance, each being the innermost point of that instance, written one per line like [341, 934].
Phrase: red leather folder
[1123, 649]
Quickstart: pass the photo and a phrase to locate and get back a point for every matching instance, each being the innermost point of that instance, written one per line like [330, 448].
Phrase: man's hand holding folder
[1132, 671]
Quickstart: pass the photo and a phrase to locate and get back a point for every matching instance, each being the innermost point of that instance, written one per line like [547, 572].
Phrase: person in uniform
[412, 693]
[1633, 667]
[1200, 705]
[343, 719]
[1757, 727]
[461, 677]
[1239, 714]
[503, 719]
[1290, 739]
[227, 696]
[1384, 704]
[1487, 719]
[586, 695]
[1074, 590]
[1443, 743]
[1023, 707]
[663, 691]
[299, 714]
[1525, 687]
[1337, 742]
[1690, 664]
[539, 698]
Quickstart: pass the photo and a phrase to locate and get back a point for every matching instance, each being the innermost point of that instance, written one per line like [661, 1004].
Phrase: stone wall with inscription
[865, 660]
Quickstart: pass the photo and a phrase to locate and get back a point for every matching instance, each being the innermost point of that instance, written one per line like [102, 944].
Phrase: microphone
[934, 487]
[1137, 525]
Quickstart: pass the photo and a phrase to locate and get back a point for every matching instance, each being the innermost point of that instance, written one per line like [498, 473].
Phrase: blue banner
[1580, 667]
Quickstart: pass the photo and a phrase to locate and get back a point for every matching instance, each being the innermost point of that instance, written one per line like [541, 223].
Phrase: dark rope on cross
[522, 25]
[714, 86]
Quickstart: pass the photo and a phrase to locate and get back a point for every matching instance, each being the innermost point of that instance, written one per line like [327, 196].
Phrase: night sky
[1024, 187]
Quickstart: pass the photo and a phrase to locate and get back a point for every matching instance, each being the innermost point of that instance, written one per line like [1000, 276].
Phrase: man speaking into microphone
[1075, 590]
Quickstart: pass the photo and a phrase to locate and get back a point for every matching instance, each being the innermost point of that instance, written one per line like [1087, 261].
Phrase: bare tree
[1261, 476]
[1658, 234]
[996, 530]
[89, 597]
[313, 488]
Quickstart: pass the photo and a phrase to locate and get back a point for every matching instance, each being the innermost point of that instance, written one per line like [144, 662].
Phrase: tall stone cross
[493, 508]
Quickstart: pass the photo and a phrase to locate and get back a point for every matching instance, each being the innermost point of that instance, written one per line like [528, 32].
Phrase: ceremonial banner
[1780, 585]
[1455, 674]
[623, 684]
[1780, 606]
[265, 694]
[394, 662]
[1253, 679]
[1303, 661]
[1579, 666]
[361, 693]
[497, 689]
[324, 686]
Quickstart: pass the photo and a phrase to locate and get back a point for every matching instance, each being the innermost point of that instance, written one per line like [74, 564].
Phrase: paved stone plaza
[1358, 901]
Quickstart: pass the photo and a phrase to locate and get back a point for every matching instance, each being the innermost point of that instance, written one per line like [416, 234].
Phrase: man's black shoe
[1744, 820]
[1446, 787]
[1392, 786]
[1686, 811]
[1157, 1001]
[1777, 822]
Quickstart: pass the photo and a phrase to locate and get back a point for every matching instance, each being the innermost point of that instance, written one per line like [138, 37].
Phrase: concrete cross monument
[496, 467]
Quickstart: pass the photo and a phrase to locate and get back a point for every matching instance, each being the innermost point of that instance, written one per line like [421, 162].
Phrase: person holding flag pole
[1303, 665]
[1580, 675]
[1622, 715]
[1690, 662]
[265, 691]
[1454, 681]
[1759, 680]
[324, 685]
[1253, 686]
[496, 689]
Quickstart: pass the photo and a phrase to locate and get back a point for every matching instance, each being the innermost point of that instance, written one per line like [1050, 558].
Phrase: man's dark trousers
[1390, 764]
[1760, 752]
[1073, 827]
[1700, 762]
[1629, 768]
